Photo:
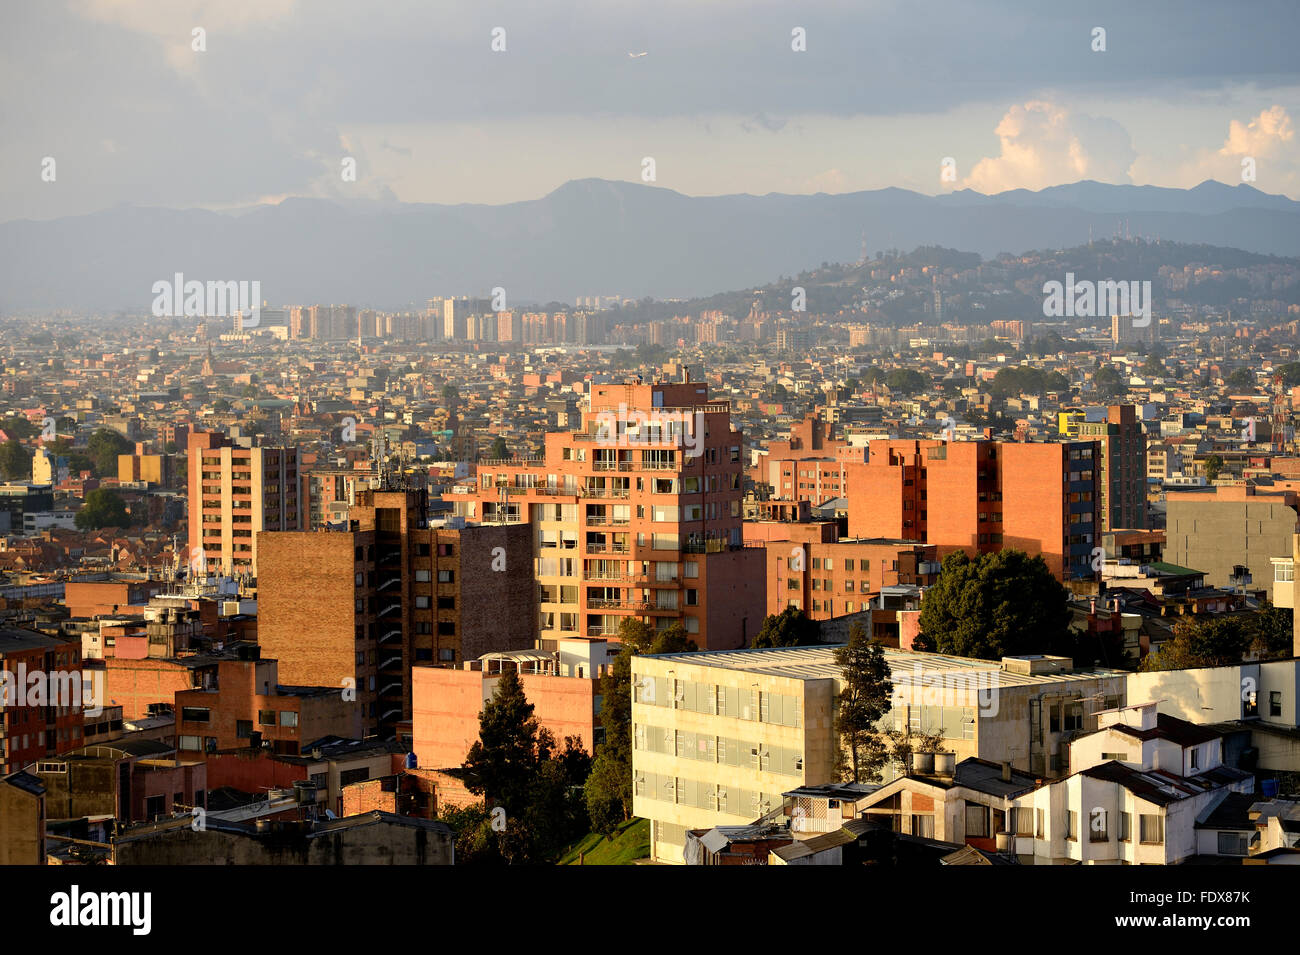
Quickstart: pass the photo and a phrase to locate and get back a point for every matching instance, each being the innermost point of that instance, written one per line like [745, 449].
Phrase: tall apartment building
[1123, 485]
[367, 604]
[986, 496]
[456, 313]
[637, 514]
[234, 494]
[810, 464]
[718, 738]
[43, 698]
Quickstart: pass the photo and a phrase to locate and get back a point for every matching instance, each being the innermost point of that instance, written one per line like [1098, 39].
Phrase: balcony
[599, 548]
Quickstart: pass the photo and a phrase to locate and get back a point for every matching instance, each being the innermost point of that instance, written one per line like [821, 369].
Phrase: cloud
[172, 23]
[831, 180]
[1265, 135]
[1045, 144]
[1268, 139]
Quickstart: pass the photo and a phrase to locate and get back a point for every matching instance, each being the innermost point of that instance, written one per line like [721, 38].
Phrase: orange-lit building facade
[236, 492]
[832, 579]
[986, 496]
[637, 514]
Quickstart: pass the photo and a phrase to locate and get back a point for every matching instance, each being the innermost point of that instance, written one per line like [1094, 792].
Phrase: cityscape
[620, 511]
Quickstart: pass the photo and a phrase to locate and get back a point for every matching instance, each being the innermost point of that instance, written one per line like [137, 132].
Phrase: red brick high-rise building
[637, 514]
[982, 497]
[395, 590]
[1123, 487]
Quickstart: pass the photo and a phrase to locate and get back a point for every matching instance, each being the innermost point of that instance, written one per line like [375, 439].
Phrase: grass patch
[631, 842]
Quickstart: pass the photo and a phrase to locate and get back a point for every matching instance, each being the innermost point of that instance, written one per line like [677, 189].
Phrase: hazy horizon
[726, 98]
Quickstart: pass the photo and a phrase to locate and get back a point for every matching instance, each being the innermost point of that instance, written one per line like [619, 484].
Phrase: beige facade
[719, 736]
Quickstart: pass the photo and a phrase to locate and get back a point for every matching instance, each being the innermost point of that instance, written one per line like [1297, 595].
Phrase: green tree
[103, 448]
[1109, 382]
[790, 628]
[1242, 379]
[499, 448]
[995, 605]
[1213, 465]
[104, 507]
[1273, 634]
[1153, 367]
[908, 381]
[860, 706]
[609, 787]
[15, 462]
[1212, 643]
[18, 427]
[502, 761]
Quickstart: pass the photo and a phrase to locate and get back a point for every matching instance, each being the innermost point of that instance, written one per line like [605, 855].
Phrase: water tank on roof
[410, 761]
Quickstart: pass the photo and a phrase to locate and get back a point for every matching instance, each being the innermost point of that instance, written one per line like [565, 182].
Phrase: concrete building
[1139, 785]
[1226, 526]
[718, 737]
[375, 838]
[236, 493]
[395, 590]
[987, 496]
[22, 820]
[130, 780]
[636, 515]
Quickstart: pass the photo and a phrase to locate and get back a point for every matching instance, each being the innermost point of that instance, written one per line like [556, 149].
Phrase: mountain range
[588, 237]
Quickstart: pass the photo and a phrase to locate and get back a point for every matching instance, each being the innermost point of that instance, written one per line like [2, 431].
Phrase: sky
[284, 92]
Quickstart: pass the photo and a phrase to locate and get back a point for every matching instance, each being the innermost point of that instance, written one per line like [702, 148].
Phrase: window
[1098, 830]
[923, 826]
[1275, 703]
[446, 577]
[243, 729]
[195, 714]
[266, 717]
[1071, 825]
[1195, 758]
[1151, 829]
[1125, 827]
[288, 718]
[1042, 824]
[1022, 821]
[977, 821]
[1232, 843]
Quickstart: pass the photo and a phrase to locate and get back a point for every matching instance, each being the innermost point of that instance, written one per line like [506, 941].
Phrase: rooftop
[906, 666]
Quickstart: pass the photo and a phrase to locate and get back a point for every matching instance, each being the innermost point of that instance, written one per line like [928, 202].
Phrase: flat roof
[818, 663]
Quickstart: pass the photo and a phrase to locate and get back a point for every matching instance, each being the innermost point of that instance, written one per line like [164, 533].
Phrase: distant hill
[588, 237]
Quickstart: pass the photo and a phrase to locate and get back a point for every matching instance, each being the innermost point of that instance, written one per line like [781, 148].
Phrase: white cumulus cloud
[1046, 144]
